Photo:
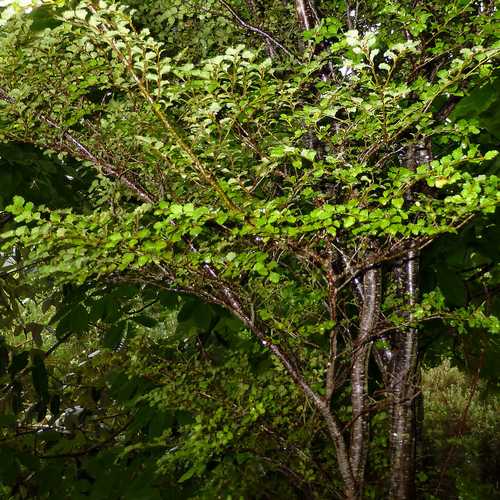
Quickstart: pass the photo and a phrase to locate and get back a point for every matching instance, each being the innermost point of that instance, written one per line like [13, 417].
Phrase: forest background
[249, 249]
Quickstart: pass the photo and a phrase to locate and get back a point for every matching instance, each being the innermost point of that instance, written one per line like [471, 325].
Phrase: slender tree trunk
[369, 316]
[307, 13]
[352, 459]
[351, 488]
[398, 365]
[404, 373]
[403, 388]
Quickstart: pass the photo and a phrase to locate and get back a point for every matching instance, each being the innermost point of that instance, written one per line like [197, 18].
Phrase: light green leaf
[80, 14]
[309, 154]
[274, 277]
[261, 268]
[397, 202]
[349, 221]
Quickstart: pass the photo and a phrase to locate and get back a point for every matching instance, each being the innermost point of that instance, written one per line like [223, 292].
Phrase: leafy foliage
[196, 194]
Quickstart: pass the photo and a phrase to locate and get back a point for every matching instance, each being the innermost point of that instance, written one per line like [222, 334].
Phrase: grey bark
[369, 316]
[403, 391]
[404, 369]
[369, 292]
[308, 17]
[306, 13]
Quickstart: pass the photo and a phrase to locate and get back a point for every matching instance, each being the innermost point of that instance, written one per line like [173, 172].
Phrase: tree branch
[255, 29]
[83, 152]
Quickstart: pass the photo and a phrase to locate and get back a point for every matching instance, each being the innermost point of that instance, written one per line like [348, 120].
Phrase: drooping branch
[233, 303]
[81, 151]
[270, 47]
[254, 29]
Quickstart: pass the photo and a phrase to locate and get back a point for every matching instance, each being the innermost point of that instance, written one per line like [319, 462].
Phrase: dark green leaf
[19, 361]
[144, 320]
[75, 321]
[115, 334]
[40, 376]
[169, 300]
[7, 420]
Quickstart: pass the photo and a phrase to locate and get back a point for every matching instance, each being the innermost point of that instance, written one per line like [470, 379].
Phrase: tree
[296, 191]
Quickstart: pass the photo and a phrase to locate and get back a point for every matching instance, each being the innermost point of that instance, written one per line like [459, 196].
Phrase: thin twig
[84, 153]
[255, 29]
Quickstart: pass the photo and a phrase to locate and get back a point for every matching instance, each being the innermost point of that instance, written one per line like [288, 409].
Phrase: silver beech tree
[293, 184]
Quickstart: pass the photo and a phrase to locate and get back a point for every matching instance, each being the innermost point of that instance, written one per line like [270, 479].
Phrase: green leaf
[80, 14]
[143, 260]
[144, 320]
[441, 181]
[176, 210]
[231, 256]
[309, 154]
[40, 377]
[196, 314]
[43, 17]
[397, 202]
[188, 474]
[349, 221]
[115, 237]
[169, 300]
[75, 321]
[7, 420]
[274, 277]
[18, 201]
[261, 269]
[114, 335]
[18, 363]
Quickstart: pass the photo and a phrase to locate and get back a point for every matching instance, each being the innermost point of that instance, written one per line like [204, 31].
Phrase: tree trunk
[398, 364]
[359, 375]
[403, 391]
[308, 17]
[352, 460]
[404, 369]
[307, 13]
